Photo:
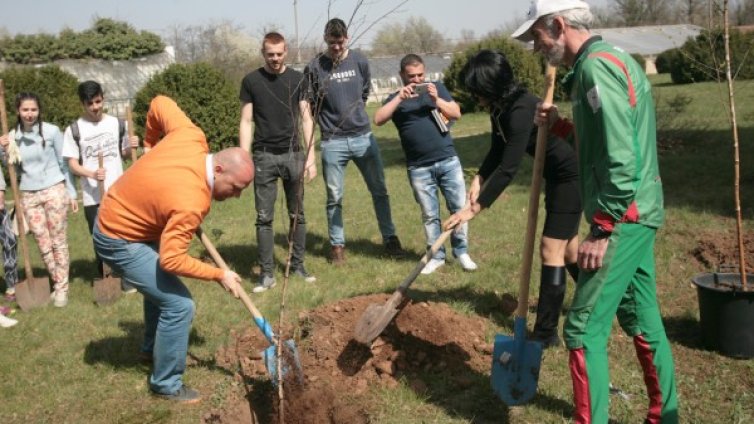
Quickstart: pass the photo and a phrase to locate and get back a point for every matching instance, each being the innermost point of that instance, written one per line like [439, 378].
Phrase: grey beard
[555, 55]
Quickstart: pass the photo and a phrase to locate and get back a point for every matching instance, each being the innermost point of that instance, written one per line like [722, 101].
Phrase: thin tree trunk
[736, 160]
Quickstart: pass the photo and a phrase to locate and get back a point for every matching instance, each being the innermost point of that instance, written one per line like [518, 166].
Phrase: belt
[275, 150]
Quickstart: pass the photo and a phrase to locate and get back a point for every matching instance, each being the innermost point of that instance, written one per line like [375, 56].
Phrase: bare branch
[356, 8]
[395, 9]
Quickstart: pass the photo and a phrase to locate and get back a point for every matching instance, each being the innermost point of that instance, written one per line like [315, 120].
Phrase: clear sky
[447, 16]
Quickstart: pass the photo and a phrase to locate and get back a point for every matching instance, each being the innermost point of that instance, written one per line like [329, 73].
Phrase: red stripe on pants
[582, 413]
[646, 359]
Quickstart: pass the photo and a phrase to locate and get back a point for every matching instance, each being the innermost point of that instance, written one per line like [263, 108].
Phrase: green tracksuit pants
[626, 286]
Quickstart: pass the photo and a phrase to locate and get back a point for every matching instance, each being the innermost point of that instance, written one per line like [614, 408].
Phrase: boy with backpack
[93, 133]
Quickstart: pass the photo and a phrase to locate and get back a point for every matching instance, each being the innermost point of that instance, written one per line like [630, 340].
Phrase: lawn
[79, 364]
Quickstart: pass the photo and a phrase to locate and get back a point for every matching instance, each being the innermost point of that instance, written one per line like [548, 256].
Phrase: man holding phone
[419, 110]
[421, 88]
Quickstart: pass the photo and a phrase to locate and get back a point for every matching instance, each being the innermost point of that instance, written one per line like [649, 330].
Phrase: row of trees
[233, 50]
[417, 35]
[203, 89]
[200, 89]
[223, 44]
[663, 12]
[703, 58]
[106, 39]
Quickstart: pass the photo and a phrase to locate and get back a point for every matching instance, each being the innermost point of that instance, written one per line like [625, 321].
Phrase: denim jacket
[41, 166]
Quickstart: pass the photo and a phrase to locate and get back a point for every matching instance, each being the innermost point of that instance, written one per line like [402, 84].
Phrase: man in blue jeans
[339, 82]
[146, 238]
[419, 110]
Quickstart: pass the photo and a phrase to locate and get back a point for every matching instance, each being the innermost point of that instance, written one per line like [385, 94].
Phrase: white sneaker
[59, 298]
[466, 263]
[432, 266]
[266, 282]
[6, 322]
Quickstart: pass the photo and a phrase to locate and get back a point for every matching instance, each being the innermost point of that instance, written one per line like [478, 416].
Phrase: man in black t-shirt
[422, 111]
[273, 107]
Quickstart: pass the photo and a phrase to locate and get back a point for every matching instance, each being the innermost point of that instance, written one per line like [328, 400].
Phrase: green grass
[78, 364]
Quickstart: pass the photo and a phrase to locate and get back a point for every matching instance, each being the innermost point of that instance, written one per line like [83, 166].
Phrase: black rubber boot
[573, 271]
[552, 289]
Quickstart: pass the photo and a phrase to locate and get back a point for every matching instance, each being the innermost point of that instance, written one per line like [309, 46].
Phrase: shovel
[290, 358]
[108, 288]
[131, 132]
[31, 292]
[376, 317]
[515, 360]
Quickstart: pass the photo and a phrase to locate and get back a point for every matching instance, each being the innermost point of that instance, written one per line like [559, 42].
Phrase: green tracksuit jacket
[614, 116]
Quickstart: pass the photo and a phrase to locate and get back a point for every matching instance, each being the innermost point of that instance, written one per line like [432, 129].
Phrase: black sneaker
[393, 247]
[183, 395]
[301, 272]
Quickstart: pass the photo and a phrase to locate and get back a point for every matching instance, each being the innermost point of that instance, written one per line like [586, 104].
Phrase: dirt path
[425, 339]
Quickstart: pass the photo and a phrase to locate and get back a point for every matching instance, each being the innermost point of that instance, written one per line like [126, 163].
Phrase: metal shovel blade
[515, 365]
[291, 361]
[373, 322]
[106, 290]
[376, 318]
[33, 293]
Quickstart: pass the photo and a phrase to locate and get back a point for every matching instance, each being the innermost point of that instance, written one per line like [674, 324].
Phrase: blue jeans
[363, 150]
[447, 175]
[168, 306]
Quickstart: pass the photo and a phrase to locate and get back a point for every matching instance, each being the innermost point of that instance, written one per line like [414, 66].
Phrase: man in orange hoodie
[145, 225]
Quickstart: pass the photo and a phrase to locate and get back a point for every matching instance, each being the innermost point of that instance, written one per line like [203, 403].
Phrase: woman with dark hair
[46, 187]
[489, 77]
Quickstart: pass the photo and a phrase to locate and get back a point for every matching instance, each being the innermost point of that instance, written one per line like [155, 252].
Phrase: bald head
[233, 170]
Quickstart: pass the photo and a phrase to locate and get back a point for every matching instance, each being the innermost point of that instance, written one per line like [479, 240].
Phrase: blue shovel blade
[515, 366]
[270, 361]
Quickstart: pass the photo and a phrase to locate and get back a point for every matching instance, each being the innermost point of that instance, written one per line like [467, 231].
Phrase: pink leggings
[46, 214]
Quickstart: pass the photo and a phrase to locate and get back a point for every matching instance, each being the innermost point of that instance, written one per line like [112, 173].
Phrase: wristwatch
[596, 231]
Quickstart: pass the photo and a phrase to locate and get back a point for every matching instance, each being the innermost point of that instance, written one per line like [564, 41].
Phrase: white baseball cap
[541, 8]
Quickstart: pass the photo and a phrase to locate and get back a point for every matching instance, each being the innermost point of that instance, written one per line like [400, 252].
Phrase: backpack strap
[121, 134]
[76, 134]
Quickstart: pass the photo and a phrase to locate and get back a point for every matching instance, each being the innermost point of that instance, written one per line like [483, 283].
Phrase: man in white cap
[621, 189]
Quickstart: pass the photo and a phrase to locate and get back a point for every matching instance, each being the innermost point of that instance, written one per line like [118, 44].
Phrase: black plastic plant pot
[726, 313]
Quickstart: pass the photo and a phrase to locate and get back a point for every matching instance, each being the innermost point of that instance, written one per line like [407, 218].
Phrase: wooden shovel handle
[14, 186]
[222, 264]
[534, 191]
[100, 183]
[101, 187]
[423, 261]
[131, 131]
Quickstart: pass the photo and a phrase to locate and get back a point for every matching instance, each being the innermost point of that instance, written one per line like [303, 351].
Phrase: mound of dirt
[718, 251]
[425, 338]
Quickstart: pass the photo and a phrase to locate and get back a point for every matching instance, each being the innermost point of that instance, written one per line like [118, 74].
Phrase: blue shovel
[515, 360]
[290, 357]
